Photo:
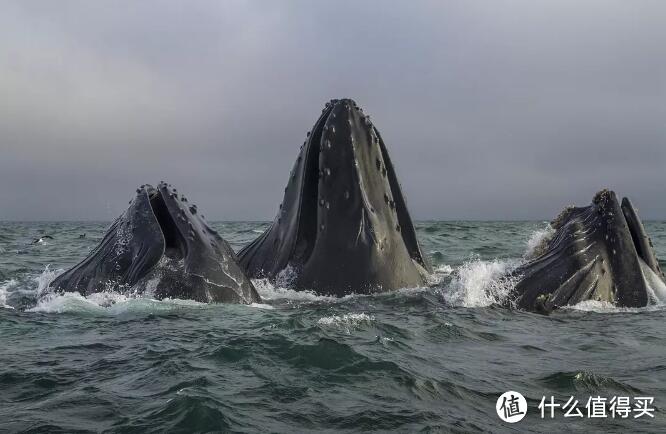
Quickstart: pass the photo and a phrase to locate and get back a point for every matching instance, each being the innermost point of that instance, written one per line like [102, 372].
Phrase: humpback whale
[343, 225]
[162, 244]
[597, 252]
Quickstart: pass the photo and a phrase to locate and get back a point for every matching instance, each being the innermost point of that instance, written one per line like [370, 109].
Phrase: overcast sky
[490, 109]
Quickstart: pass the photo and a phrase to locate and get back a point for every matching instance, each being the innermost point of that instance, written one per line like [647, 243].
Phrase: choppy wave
[412, 360]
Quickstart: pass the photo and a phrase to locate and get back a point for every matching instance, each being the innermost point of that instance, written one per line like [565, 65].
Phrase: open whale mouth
[642, 242]
[343, 223]
[649, 264]
[599, 252]
[175, 246]
[163, 245]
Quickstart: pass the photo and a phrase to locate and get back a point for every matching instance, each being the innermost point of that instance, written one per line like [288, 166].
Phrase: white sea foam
[346, 322]
[4, 290]
[594, 306]
[606, 307]
[439, 274]
[480, 283]
[109, 303]
[269, 291]
[444, 269]
[106, 302]
[45, 278]
[286, 277]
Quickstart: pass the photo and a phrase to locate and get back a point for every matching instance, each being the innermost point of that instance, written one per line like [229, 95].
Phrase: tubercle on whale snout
[163, 244]
[600, 252]
[343, 222]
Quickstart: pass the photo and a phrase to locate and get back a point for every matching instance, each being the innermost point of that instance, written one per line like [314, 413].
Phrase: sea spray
[479, 283]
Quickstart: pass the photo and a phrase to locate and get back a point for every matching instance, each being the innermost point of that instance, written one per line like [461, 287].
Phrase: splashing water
[480, 283]
[4, 287]
[538, 242]
[347, 321]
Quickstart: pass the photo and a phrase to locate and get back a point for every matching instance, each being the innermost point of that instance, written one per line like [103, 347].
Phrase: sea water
[418, 359]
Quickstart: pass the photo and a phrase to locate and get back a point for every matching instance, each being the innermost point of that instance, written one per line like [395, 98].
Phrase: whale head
[162, 243]
[599, 252]
[343, 224]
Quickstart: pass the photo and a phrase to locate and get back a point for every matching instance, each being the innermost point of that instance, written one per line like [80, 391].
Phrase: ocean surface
[414, 360]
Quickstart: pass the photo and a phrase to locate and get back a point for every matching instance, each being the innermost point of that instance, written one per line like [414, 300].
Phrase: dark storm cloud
[498, 109]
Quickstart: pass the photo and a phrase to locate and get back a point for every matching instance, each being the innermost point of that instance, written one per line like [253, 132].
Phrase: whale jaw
[599, 252]
[161, 244]
[343, 225]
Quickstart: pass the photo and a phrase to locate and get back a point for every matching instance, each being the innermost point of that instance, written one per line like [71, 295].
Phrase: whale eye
[378, 164]
[346, 195]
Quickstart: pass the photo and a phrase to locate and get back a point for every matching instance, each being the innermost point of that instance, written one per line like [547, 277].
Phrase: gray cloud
[491, 110]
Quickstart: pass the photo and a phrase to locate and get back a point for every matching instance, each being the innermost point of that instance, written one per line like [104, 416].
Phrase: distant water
[423, 359]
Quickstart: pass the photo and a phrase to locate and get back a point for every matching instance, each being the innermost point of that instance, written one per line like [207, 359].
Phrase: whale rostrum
[343, 225]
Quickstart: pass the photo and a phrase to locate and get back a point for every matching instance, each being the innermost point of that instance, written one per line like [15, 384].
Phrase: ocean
[432, 359]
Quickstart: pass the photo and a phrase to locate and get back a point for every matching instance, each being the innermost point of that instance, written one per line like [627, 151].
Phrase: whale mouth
[175, 246]
[599, 252]
[636, 231]
[343, 223]
[649, 264]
